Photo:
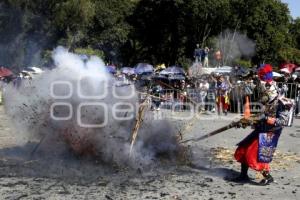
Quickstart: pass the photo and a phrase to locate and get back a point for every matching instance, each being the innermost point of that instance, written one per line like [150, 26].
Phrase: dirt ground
[23, 176]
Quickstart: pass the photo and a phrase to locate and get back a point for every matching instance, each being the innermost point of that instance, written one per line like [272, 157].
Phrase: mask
[268, 92]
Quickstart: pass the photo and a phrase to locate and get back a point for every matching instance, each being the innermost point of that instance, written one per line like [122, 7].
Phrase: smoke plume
[81, 107]
[233, 46]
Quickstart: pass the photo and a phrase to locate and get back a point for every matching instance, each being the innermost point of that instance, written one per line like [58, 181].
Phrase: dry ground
[25, 177]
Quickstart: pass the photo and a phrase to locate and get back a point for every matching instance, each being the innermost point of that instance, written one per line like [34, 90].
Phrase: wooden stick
[138, 122]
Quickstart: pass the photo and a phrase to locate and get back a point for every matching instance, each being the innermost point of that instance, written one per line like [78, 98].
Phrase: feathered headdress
[265, 73]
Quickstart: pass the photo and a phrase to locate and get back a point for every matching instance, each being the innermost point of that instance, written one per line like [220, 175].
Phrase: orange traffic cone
[247, 112]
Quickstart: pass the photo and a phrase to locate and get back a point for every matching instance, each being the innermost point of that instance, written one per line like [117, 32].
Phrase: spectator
[211, 95]
[198, 54]
[1, 88]
[203, 93]
[156, 101]
[205, 57]
[222, 95]
[297, 111]
[218, 57]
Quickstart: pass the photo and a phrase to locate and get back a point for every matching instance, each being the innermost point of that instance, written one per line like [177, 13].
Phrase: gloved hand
[241, 125]
[271, 120]
[238, 125]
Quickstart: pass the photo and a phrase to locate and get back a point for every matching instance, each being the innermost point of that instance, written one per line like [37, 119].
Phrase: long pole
[233, 124]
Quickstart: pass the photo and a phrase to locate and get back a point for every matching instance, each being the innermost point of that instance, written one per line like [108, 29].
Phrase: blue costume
[257, 149]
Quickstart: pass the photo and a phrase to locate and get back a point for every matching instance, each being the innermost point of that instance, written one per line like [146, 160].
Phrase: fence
[178, 100]
[175, 99]
[237, 96]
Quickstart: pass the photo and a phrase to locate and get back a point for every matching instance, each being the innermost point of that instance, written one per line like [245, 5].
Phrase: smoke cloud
[78, 106]
[233, 46]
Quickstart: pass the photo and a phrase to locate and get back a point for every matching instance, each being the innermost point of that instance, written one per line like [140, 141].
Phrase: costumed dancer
[222, 99]
[257, 149]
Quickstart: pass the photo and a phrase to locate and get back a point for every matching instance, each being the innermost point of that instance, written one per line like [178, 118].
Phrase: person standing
[222, 95]
[257, 149]
[203, 87]
[1, 88]
[211, 93]
[205, 57]
[198, 54]
[218, 57]
[156, 99]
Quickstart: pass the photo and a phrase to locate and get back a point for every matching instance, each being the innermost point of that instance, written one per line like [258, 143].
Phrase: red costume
[248, 154]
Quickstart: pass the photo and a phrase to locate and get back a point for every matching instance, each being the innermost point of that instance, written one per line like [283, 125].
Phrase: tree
[74, 18]
[167, 31]
[22, 33]
[157, 28]
[266, 22]
[295, 32]
[141, 30]
[289, 55]
[26, 29]
[110, 28]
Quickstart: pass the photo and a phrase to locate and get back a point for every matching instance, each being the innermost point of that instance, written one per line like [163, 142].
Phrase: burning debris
[79, 104]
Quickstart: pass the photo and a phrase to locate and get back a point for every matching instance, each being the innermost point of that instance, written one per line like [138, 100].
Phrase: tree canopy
[127, 32]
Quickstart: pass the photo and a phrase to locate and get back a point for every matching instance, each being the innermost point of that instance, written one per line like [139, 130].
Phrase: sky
[294, 6]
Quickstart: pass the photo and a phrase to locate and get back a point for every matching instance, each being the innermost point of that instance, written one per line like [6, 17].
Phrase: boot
[243, 177]
[267, 178]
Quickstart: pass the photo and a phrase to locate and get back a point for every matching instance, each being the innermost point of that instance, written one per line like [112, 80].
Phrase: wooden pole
[138, 122]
